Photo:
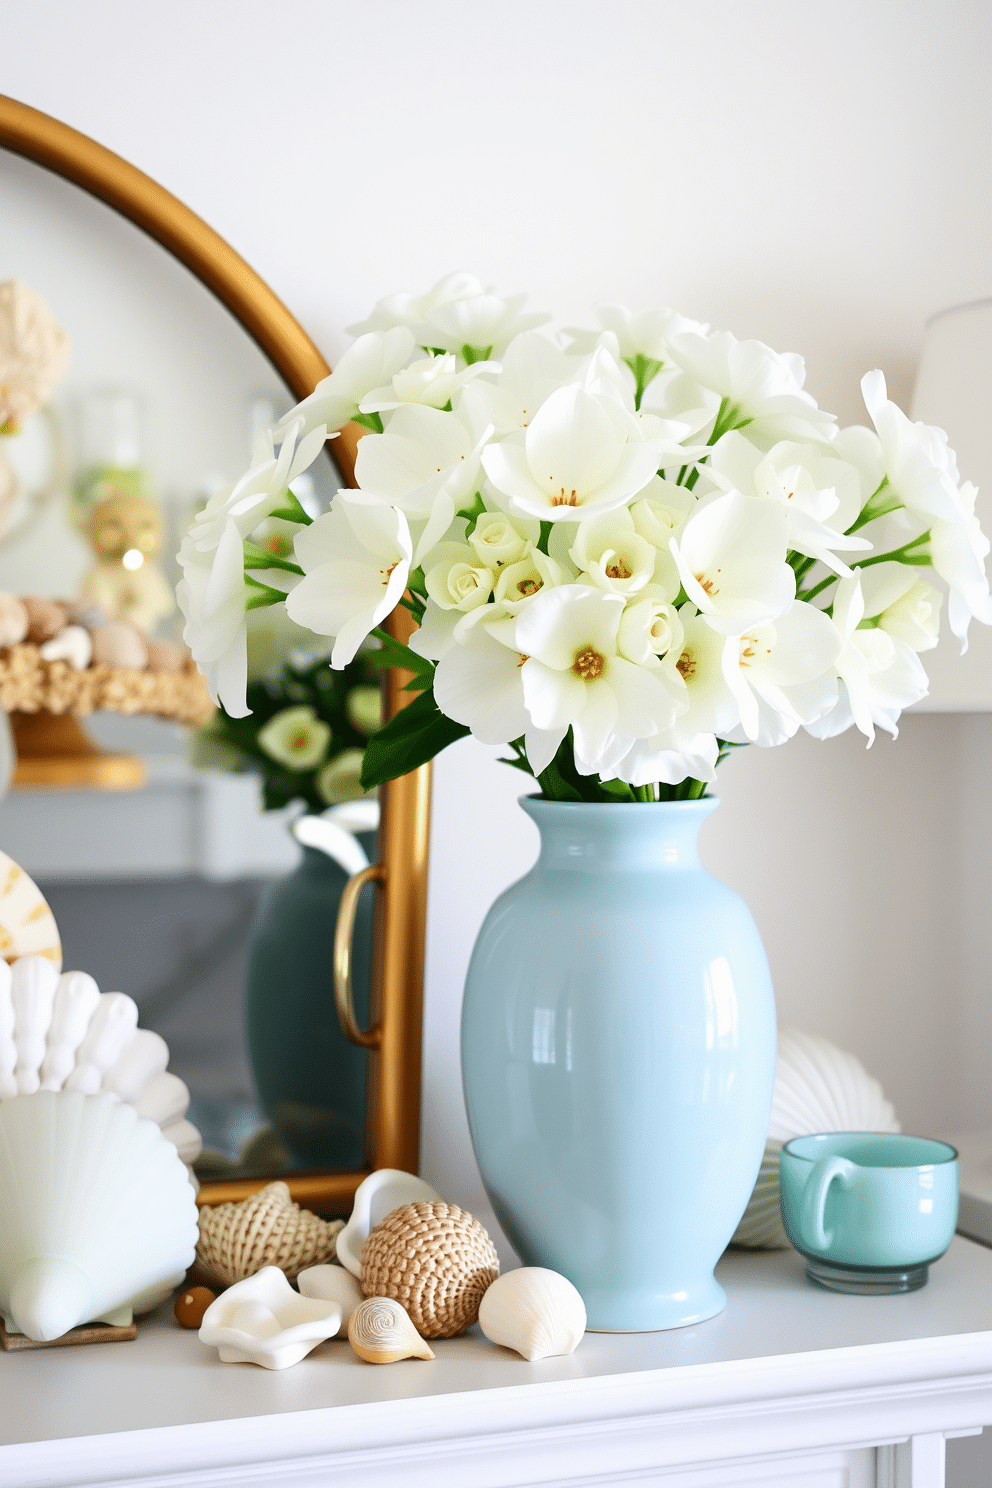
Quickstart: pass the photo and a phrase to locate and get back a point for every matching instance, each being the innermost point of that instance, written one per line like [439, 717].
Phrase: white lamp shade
[954, 391]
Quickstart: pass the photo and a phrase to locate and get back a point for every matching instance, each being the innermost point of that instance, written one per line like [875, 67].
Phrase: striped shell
[818, 1088]
[27, 925]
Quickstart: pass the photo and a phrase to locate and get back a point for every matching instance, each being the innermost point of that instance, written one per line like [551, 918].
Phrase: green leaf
[292, 511]
[266, 594]
[395, 654]
[371, 421]
[617, 790]
[414, 736]
[473, 513]
[542, 541]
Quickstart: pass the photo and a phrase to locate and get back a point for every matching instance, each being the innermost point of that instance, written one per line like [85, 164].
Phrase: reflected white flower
[356, 560]
[296, 738]
[34, 354]
[369, 363]
[341, 778]
[731, 558]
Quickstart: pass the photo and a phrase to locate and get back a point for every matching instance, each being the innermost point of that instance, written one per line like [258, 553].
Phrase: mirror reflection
[145, 827]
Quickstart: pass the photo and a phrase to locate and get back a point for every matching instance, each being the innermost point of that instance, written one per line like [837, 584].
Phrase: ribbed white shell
[96, 1211]
[535, 1311]
[62, 1033]
[818, 1088]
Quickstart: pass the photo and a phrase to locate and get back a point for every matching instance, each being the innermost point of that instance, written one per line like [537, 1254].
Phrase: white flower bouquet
[625, 551]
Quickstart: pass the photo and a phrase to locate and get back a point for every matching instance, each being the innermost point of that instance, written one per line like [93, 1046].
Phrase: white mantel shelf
[788, 1386]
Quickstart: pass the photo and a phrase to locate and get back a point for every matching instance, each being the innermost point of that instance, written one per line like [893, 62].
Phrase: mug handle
[815, 1199]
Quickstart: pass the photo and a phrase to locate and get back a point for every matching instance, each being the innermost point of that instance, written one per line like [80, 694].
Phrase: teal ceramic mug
[869, 1211]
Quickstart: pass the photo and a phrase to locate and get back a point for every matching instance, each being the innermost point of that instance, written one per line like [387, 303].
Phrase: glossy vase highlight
[311, 1081]
[618, 1057]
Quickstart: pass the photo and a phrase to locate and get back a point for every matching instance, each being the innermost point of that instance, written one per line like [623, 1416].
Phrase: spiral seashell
[818, 1088]
[535, 1311]
[62, 1033]
[437, 1260]
[96, 1212]
[380, 1332]
[267, 1229]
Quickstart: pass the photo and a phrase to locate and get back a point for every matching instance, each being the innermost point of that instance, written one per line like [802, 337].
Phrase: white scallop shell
[380, 1332]
[376, 1196]
[332, 1284]
[818, 1088]
[96, 1212]
[27, 925]
[535, 1311]
[261, 1320]
[62, 1033]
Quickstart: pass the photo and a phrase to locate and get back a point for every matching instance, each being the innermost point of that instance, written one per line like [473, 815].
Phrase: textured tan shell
[380, 1332]
[237, 1240]
[45, 617]
[437, 1260]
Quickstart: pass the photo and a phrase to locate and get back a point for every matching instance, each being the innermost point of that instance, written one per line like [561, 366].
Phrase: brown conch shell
[237, 1240]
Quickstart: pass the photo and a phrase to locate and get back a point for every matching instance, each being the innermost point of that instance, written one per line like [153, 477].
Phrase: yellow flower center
[527, 587]
[589, 664]
[686, 664]
[618, 570]
[571, 499]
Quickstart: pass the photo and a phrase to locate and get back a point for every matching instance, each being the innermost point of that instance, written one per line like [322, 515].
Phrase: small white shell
[534, 1311]
[261, 1320]
[381, 1192]
[380, 1332]
[332, 1284]
[72, 644]
[818, 1088]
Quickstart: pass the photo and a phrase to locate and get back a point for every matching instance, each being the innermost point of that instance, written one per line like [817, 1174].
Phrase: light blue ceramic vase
[618, 1057]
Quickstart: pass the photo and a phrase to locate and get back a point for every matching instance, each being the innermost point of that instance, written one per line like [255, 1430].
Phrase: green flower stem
[292, 511]
[878, 505]
[256, 557]
[371, 421]
[905, 554]
[810, 594]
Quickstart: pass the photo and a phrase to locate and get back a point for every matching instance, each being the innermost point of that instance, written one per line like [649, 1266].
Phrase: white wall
[812, 174]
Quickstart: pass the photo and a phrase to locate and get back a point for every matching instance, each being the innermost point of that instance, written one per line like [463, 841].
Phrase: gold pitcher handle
[344, 932]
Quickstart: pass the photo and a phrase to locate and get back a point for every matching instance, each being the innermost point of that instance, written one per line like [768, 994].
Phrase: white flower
[498, 541]
[574, 459]
[434, 380]
[456, 580]
[712, 709]
[518, 583]
[478, 683]
[481, 324]
[261, 489]
[958, 551]
[919, 466]
[881, 675]
[371, 361]
[756, 385]
[781, 673]
[213, 597]
[649, 630]
[821, 494]
[404, 309]
[903, 605]
[425, 465]
[575, 677]
[731, 557]
[296, 738]
[668, 758]
[608, 549]
[34, 354]
[532, 368]
[341, 778]
[646, 334]
[356, 559]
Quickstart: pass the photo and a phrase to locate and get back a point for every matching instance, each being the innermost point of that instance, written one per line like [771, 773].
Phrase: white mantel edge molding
[575, 1431]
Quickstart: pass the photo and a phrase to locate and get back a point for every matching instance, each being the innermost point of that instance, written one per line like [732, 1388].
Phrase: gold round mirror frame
[393, 1128]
